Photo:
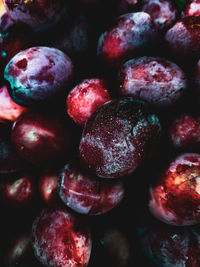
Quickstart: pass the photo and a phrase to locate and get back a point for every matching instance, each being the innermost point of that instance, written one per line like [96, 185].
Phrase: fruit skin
[38, 74]
[174, 198]
[85, 98]
[167, 245]
[162, 12]
[37, 14]
[131, 35]
[184, 132]
[118, 137]
[18, 191]
[196, 78]
[9, 110]
[87, 194]
[182, 39]
[48, 186]
[192, 9]
[39, 138]
[59, 238]
[156, 80]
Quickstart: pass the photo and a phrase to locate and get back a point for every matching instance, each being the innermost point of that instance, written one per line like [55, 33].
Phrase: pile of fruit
[99, 133]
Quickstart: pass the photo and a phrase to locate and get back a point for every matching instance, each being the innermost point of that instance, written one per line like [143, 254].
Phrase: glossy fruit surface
[117, 138]
[40, 138]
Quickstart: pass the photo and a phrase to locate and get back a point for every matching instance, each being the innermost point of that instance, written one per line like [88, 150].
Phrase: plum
[184, 132]
[40, 138]
[192, 9]
[118, 137]
[87, 194]
[163, 12]
[156, 80]
[60, 238]
[85, 98]
[131, 34]
[38, 74]
[174, 198]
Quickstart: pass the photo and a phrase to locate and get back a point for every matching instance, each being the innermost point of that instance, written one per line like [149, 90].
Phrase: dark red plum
[168, 246]
[87, 194]
[38, 74]
[116, 244]
[9, 159]
[182, 39]
[19, 190]
[85, 98]
[37, 14]
[59, 238]
[163, 12]
[175, 196]
[132, 34]
[118, 137]
[40, 138]
[18, 249]
[9, 110]
[48, 185]
[192, 9]
[156, 80]
[184, 132]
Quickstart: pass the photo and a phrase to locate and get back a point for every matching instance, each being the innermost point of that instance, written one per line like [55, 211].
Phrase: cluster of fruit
[100, 133]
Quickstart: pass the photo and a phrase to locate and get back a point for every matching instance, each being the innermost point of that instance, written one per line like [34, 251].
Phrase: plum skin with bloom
[175, 197]
[156, 80]
[85, 98]
[38, 74]
[59, 238]
[131, 35]
[118, 137]
[184, 132]
[87, 194]
[37, 14]
[162, 12]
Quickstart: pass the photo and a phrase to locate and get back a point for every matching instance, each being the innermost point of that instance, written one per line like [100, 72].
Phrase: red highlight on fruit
[175, 197]
[86, 98]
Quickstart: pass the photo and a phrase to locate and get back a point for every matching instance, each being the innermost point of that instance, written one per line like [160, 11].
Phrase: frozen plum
[60, 238]
[37, 14]
[185, 132]
[118, 137]
[87, 194]
[132, 34]
[182, 39]
[192, 9]
[9, 110]
[175, 196]
[158, 81]
[40, 138]
[163, 12]
[38, 74]
[85, 98]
